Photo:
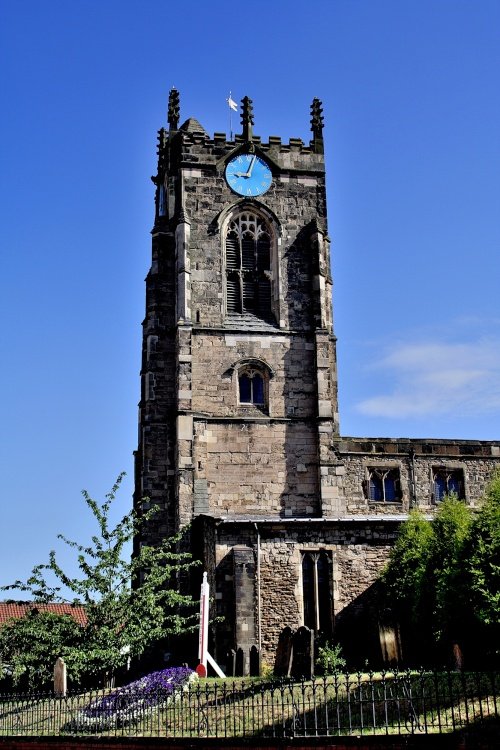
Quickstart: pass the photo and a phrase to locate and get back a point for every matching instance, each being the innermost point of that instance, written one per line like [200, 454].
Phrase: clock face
[248, 174]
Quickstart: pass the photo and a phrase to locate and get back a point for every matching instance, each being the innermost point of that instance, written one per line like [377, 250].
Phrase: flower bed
[130, 703]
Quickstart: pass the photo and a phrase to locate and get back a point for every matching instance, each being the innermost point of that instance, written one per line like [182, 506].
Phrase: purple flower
[129, 703]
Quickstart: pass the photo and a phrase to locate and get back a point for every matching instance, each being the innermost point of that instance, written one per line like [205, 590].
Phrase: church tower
[239, 390]
[238, 422]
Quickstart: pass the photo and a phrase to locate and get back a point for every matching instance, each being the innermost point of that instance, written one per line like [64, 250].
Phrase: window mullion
[316, 591]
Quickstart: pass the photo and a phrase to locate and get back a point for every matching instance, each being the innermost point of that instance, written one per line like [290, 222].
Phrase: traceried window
[251, 387]
[248, 266]
[317, 590]
[448, 482]
[384, 485]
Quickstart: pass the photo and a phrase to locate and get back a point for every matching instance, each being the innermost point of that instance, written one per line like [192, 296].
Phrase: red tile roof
[9, 610]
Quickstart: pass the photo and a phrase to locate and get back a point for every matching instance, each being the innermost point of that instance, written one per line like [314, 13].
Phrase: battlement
[196, 146]
[189, 143]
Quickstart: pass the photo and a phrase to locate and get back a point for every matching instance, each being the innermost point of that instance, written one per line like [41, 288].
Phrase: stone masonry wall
[258, 469]
[291, 388]
[415, 460]
[358, 553]
[155, 458]
[191, 349]
[296, 199]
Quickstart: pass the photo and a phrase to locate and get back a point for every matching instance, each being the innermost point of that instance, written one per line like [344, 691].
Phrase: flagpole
[230, 118]
[232, 106]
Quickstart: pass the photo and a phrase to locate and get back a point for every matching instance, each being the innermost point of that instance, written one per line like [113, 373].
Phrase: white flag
[231, 103]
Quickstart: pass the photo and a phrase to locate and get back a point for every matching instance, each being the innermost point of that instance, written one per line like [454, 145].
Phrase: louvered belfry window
[248, 266]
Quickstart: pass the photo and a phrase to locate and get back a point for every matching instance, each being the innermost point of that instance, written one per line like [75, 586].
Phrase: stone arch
[251, 381]
[250, 241]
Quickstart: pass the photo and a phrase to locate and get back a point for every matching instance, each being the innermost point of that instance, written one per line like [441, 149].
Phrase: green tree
[483, 564]
[405, 574]
[446, 580]
[130, 603]
[30, 645]
[424, 583]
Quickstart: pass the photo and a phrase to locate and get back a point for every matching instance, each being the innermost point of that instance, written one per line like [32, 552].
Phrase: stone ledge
[307, 520]
[420, 447]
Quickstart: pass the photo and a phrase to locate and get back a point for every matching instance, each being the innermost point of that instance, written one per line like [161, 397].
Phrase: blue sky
[412, 129]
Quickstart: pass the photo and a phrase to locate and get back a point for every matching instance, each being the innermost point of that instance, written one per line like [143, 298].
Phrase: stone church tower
[238, 426]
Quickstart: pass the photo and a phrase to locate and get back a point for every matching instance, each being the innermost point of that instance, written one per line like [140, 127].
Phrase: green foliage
[405, 573]
[123, 620]
[443, 573]
[266, 671]
[31, 644]
[483, 558]
[330, 658]
[445, 581]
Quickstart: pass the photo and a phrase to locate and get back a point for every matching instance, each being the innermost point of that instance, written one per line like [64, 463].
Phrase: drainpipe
[259, 613]
[413, 499]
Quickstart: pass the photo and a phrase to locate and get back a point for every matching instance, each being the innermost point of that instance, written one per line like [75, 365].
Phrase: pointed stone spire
[173, 109]
[317, 121]
[160, 150]
[247, 118]
[161, 141]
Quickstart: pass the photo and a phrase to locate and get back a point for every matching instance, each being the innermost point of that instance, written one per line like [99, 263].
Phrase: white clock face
[249, 175]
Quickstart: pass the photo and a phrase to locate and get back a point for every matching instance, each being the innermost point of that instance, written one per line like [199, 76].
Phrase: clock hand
[249, 173]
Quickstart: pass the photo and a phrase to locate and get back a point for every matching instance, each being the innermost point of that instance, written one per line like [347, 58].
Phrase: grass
[368, 704]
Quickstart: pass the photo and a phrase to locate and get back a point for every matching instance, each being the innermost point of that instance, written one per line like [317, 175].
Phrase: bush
[330, 658]
[442, 582]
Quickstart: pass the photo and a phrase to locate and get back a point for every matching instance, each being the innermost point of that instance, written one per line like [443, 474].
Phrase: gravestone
[458, 659]
[254, 662]
[60, 677]
[303, 653]
[284, 653]
[240, 663]
[231, 661]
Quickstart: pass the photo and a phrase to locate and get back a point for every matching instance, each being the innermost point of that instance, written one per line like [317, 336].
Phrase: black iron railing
[343, 704]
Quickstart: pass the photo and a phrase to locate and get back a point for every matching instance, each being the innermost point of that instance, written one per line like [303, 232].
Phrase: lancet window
[251, 387]
[317, 590]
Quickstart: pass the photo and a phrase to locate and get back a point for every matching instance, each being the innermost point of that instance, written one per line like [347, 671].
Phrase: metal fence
[339, 705]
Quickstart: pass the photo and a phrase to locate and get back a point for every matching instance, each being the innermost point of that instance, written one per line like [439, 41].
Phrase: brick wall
[406, 742]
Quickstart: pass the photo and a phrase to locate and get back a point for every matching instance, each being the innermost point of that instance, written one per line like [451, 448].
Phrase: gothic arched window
[248, 266]
[317, 590]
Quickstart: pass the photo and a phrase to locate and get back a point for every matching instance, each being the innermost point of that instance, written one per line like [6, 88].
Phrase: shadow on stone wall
[357, 629]
[301, 493]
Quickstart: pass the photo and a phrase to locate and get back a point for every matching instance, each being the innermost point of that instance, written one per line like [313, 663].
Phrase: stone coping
[418, 446]
[355, 518]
